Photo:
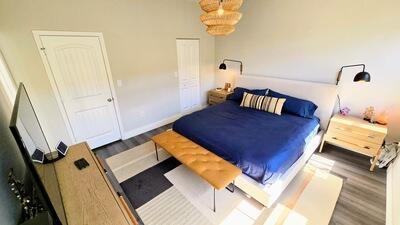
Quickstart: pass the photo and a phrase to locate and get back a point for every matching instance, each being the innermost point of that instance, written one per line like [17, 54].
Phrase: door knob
[110, 99]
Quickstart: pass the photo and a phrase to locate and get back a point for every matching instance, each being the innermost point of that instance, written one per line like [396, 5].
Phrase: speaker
[62, 148]
[38, 156]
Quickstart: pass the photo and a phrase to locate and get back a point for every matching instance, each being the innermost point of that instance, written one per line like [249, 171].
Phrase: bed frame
[323, 95]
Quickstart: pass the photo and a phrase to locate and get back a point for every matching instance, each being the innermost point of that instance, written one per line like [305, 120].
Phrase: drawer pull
[366, 147]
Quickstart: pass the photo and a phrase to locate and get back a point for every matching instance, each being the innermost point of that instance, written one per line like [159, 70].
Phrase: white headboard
[323, 95]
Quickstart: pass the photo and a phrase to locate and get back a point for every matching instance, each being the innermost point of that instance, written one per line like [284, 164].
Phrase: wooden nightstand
[357, 135]
[217, 96]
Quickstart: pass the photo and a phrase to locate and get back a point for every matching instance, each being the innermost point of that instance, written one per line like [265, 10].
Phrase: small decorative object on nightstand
[357, 135]
[345, 111]
[382, 118]
[227, 86]
[369, 114]
[217, 96]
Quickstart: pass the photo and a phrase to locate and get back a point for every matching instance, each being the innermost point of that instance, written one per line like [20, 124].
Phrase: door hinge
[43, 50]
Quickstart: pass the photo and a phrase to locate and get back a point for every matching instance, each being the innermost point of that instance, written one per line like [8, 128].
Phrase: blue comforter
[262, 144]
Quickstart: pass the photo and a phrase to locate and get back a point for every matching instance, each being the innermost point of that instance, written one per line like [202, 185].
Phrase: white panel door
[189, 73]
[78, 68]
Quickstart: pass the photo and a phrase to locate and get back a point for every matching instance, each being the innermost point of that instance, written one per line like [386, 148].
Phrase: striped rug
[171, 207]
[177, 196]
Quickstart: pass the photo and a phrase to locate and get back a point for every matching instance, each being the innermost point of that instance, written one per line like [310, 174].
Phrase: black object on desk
[81, 163]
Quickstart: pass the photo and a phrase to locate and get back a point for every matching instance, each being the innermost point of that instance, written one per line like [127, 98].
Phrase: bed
[263, 145]
[270, 149]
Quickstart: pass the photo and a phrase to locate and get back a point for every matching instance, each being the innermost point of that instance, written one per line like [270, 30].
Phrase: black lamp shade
[222, 66]
[362, 77]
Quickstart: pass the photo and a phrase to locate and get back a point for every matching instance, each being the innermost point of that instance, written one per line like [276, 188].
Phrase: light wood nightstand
[357, 135]
[217, 96]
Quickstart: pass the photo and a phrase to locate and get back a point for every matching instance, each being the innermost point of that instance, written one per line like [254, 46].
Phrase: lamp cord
[340, 108]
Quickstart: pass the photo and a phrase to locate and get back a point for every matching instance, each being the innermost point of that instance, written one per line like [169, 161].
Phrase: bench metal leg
[155, 146]
[233, 187]
[214, 200]
[231, 190]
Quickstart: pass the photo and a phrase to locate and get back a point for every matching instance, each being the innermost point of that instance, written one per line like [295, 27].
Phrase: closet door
[189, 74]
[77, 67]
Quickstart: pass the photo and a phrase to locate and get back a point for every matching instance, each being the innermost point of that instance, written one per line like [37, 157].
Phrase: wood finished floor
[362, 200]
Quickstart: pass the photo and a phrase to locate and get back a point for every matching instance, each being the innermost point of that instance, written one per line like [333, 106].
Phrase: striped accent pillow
[265, 103]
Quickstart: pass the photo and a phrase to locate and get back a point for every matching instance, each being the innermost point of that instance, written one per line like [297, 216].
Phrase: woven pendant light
[220, 16]
[212, 5]
[221, 30]
[228, 18]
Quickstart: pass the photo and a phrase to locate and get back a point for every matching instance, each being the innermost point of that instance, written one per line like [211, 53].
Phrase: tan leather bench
[218, 172]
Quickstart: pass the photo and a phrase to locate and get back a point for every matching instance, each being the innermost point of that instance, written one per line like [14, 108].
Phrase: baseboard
[160, 123]
[144, 129]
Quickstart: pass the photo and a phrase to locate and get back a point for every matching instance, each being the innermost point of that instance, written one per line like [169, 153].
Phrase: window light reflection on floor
[247, 213]
[321, 163]
[284, 216]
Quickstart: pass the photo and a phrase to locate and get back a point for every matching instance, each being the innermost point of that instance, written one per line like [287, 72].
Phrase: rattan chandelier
[220, 15]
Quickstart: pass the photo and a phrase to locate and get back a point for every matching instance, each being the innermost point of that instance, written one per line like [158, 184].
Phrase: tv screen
[36, 152]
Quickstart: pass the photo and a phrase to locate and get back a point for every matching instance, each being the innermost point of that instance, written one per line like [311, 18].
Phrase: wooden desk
[87, 194]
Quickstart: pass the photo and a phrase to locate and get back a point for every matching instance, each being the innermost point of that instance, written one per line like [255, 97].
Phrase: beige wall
[140, 40]
[311, 40]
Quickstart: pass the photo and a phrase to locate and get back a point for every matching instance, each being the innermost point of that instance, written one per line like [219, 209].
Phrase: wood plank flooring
[362, 200]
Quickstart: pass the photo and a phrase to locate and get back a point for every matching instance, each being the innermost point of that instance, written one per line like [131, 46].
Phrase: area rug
[166, 192]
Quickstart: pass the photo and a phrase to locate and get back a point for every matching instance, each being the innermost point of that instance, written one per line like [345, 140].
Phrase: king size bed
[263, 145]
[270, 149]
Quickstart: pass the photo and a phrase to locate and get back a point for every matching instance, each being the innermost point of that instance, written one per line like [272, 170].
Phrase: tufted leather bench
[218, 172]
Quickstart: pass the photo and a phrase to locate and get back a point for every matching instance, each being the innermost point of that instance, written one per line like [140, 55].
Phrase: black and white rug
[165, 192]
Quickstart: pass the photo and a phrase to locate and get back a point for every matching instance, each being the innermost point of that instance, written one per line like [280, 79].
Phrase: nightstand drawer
[219, 94]
[361, 146]
[357, 133]
[215, 98]
[211, 102]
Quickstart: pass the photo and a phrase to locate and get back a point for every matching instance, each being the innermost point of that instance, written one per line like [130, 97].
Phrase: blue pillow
[296, 106]
[237, 94]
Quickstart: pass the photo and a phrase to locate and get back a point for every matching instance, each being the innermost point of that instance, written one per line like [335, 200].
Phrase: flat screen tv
[33, 147]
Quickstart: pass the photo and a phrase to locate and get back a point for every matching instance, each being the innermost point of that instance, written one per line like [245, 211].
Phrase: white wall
[311, 40]
[140, 40]
[7, 81]
[393, 193]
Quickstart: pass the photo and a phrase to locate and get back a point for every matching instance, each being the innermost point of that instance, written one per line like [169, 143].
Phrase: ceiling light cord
[220, 10]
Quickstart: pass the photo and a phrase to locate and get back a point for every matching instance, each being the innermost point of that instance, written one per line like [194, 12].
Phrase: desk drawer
[357, 133]
[364, 147]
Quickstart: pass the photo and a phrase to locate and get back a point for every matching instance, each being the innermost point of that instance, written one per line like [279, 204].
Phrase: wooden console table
[87, 195]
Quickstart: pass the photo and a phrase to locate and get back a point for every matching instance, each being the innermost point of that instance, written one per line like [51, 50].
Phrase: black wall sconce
[222, 66]
[363, 76]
